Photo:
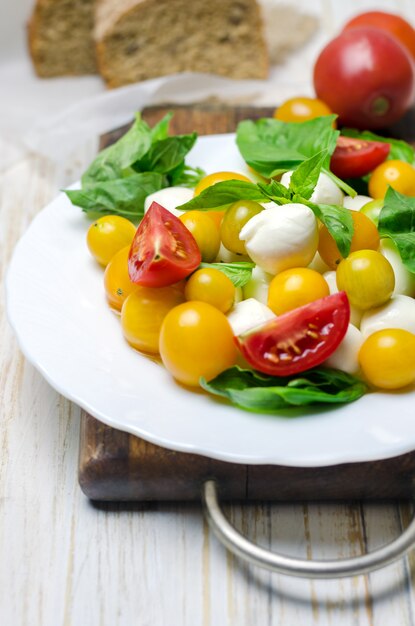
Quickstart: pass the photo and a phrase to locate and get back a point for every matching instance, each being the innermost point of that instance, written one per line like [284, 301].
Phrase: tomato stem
[380, 106]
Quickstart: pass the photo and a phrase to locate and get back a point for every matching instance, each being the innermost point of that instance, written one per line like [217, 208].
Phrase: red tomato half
[366, 77]
[163, 250]
[297, 340]
[353, 158]
[394, 24]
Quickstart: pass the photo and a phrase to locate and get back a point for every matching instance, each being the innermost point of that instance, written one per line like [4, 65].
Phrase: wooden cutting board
[114, 465]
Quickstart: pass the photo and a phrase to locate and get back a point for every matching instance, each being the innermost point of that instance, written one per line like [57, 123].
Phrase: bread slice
[140, 39]
[60, 38]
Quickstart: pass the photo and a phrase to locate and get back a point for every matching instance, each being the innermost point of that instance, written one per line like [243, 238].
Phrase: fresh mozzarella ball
[398, 312]
[248, 314]
[281, 237]
[404, 279]
[318, 265]
[258, 285]
[226, 256]
[325, 192]
[356, 203]
[355, 313]
[169, 198]
[345, 356]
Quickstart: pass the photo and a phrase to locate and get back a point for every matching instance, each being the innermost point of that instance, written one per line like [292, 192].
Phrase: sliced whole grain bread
[141, 39]
[60, 37]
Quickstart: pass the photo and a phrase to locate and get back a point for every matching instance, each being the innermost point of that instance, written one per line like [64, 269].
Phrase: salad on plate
[288, 284]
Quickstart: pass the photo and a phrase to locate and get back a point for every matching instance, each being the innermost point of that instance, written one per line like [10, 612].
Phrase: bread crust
[85, 65]
[110, 15]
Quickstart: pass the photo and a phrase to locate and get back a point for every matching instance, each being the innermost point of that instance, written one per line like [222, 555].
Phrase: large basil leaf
[111, 162]
[257, 392]
[123, 196]
[272, 147]
[397, 221]
[166, 155]
[223, 194]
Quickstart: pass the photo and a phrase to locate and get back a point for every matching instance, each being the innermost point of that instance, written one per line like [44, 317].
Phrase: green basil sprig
[338, 220]
[141, 162]
[258, 392]
[272, 147]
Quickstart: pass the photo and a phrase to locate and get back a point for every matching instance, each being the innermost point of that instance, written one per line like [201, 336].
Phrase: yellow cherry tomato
[365, 237]
[218, 177]
[143, 313]
[205, 231]
[294, 288]
[367, 277]
[387, 358]
[212, 286]
[216, 216]
[237, 215]
[196, 340]
[117, 281]
[108, 235]
[372, 210]
[301, 109]
[397, 174]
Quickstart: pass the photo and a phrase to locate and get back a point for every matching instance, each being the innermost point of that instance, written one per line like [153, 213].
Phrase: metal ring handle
[304, 568]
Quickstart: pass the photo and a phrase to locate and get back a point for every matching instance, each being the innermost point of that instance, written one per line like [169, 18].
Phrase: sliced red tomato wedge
[353, 158]
[298, 340]
[163, 250]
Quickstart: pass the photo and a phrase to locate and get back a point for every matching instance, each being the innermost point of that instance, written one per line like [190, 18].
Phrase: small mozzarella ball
[248, 314]
[318, 265]
[226, 256]
[281, 237]
[169, 198]
[345, 357]
[325, 192]
[356, 203]
[404, 279]
[355, 313]
[258, 285]
[398, 312]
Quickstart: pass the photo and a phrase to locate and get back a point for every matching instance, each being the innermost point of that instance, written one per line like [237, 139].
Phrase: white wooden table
[65, 562]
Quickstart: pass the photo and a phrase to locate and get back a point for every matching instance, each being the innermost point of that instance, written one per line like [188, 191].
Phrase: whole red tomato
[366, 77]
[394, 24]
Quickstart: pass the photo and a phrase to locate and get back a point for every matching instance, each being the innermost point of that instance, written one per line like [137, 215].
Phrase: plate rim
[328, 460]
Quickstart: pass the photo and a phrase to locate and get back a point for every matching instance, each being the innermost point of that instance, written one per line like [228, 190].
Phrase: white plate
[57, 307]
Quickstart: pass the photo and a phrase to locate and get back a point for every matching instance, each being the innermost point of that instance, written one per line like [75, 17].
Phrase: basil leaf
[397, 221]
[239, 272]
[185, 176]
[304, 178]
[165, 155]
[258, 392]
[123, 196]
[344, 186]
[224, 193]
[161, 129]
[110, 163]
[272, 147]
[338, 222]
[400, 150]
[274, 189]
